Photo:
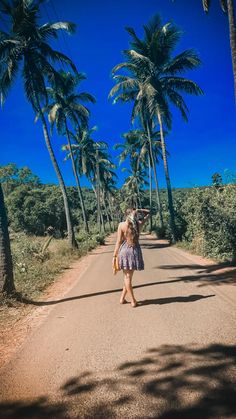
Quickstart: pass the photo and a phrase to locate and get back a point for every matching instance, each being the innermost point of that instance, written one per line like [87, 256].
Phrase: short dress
[130, 257]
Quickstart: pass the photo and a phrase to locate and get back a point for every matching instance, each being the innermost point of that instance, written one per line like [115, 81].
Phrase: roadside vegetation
[37, 262]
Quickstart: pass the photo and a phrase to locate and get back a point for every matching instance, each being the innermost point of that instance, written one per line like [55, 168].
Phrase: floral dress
[130, 257]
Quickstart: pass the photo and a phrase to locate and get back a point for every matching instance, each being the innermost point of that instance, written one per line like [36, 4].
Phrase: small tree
[217, 180]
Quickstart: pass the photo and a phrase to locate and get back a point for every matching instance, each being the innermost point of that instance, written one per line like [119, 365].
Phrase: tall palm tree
[108, 179]
[154, 82]
[65, 106]
[84, 152]
[228, 7]
[130, 90]
[92, 160]
[6, 267]
[137, 145]
[104, 176]
[25, 49]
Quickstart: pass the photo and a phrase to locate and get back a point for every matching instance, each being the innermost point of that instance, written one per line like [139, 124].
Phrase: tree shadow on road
[167, 382]
[177, 299]
[154, 245]
[217, 274]
[167, 300]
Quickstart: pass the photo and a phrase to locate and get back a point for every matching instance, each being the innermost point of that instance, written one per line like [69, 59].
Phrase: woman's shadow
[177, 299]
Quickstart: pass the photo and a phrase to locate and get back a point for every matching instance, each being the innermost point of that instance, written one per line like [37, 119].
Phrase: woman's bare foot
[123, 301]
[134, 303]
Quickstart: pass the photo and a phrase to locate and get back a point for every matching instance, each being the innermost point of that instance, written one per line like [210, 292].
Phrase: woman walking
[127, 253]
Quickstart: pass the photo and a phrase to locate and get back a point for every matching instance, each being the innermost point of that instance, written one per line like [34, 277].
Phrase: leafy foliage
[210, 221]
[33, 207]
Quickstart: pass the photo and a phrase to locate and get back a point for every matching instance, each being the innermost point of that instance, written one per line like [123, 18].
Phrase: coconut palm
[137, 145]
[6, 268]
[128, 88]
[133, 187]
[228, 7]
[65, 106]
[92, 160]
[84, 151]
[154, 83]
[104, 176]
[108, 180]
[24, 49]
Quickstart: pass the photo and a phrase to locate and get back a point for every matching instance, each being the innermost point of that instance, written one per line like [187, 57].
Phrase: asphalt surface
[172, 357]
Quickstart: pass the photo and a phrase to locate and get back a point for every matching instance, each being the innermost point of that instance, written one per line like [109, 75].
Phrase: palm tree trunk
[138, 196]
[168, 184]
[106, 211]
[98, 193]
[93, 188]
[6, 266]
[111, 211]
[77, 181]
[70, 230]
[155, 177]
[102, 222]
[150, 191]
[232, 35]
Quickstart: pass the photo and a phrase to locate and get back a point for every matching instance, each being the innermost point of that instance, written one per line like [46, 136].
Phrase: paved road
[173, 357]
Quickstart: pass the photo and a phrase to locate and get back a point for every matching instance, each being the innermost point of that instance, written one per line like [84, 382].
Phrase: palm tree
[6, 268]
[130, 88]
[25, 48]
[104, 176]
[92, 160]
[84, 152]
[228, 7]
[137, 145]
[154, 82]
[133, 186]
[66, 106]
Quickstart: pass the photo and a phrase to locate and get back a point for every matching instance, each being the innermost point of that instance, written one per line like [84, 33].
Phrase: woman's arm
[143, 210]
[146, 214]
[118, 241]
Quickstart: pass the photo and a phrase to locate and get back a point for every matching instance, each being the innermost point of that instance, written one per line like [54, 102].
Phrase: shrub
[210, 221]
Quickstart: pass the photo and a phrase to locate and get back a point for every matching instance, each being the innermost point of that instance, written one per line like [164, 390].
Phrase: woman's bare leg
[123, 294]
[128, 275]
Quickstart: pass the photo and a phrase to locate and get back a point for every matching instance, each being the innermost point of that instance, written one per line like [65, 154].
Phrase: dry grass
[35, 270]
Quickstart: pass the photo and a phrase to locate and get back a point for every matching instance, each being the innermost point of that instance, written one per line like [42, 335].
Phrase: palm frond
[182, 84]
[206, 5]
[53, 112]
[136, 43]
[56, 56]
[125, 97]
[128, 84]
[34, 84]
[126, 65]
[178, 101]
[153, 26]
[187, 60]
[50, 29]
[140, 61]
[7, 78]
[85, 97]
[224, 6]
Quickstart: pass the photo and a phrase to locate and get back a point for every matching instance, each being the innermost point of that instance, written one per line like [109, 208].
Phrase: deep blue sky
[206, 144]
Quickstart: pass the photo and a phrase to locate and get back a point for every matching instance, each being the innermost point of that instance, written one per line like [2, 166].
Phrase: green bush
[209, 217]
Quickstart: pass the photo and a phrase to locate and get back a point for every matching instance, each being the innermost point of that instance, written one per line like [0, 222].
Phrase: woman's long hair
[132, 233]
